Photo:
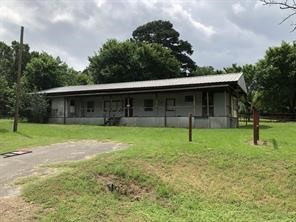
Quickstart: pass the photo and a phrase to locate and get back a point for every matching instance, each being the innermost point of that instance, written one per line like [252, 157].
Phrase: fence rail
[272, 117]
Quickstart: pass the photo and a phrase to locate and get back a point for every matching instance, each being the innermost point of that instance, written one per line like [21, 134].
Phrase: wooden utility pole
[255, 126]
[190, 128]
[18, 80]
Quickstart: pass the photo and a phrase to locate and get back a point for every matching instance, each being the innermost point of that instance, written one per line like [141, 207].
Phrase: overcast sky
[221, 32]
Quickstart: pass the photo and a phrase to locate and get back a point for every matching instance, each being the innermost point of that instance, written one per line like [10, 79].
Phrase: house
[212, 101]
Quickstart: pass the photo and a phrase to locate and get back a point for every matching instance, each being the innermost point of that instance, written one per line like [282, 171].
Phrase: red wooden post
[255, 126]
[190, 128]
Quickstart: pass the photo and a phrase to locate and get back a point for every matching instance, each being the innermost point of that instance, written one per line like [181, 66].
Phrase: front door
[128, 107]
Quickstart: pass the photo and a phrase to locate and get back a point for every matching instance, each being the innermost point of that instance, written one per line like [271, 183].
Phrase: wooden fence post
[190, 128]
[255, 126]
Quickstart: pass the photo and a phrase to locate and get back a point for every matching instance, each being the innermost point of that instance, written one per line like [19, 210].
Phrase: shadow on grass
[25, 135]
[4, 131]
[275, 144]
[250, 126]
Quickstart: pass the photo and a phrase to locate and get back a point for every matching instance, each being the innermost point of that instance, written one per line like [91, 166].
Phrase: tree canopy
[40, 71]
[204, 70]
[162, 32]
[132, 61]
[276, 78]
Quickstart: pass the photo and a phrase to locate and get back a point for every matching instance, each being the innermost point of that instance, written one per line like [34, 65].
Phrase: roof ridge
[153, 80]
[225, 77]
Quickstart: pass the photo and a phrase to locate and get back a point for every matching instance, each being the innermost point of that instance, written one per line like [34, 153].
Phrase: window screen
[189, 99]
[106, 106]
[148, 105]
[90, 106]
[207, 104]
[72, 106]
[204, 104]
[171, 105]
[211, 103]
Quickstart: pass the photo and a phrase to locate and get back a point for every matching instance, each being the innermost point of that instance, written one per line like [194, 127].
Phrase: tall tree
[132, 61]
[203, 71]
[85, 78]
[4, 92]
[6, 77]
[6, 61]
[234, 68]
[44, 72]
[162, 32]
[276, 79]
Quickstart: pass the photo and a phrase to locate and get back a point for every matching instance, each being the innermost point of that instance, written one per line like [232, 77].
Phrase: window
[211, 103]
[233, 106]
[170, 104]
[204, 104]
[112, 105]
[90, 106]
[188, 99]
[116, 105]
[207, 104]
[72, 107]
[148, 104]
[106, 106]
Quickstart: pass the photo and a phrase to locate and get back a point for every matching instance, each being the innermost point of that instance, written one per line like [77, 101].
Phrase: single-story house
[212, 100]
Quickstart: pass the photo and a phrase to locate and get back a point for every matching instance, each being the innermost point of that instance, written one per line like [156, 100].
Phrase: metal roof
[162, 83]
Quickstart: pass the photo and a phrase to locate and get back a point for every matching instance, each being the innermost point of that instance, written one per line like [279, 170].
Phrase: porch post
[225, 103]
[194, 104]
[156, 104]
[208, 108]
[65, 104]
[128, 106]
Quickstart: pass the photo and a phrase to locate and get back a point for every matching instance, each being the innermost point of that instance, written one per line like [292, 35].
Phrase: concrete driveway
[24, 165]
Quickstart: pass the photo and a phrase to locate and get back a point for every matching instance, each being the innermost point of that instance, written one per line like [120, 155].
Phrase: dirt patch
[259, 143]
[15, 209]
[124, 187]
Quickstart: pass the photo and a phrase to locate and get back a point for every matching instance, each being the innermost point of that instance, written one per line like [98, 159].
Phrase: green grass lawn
[220, 176]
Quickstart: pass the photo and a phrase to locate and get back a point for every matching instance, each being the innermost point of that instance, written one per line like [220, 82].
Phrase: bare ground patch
[15, 209]
[124, 187]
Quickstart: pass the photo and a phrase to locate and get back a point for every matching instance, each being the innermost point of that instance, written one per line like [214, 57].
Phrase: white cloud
[9, 15]
[16, 12]
[75, 29]
[178, 12]
[65, 17]
[258, 5]
[100, 3]
[66, 56]
[2, 32]
[238, 8]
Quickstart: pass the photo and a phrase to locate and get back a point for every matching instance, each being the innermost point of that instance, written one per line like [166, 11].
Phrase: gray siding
[177, 117]
[219, 104]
